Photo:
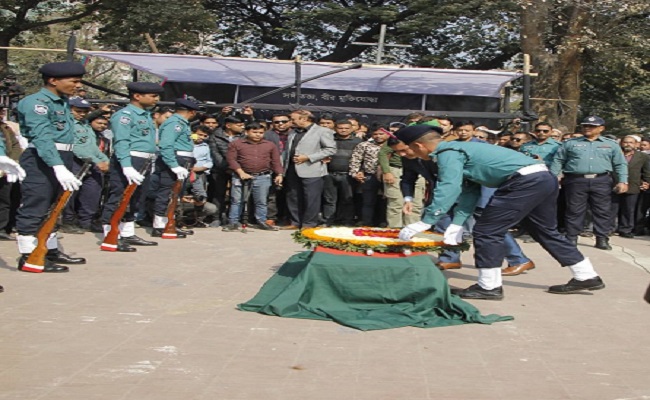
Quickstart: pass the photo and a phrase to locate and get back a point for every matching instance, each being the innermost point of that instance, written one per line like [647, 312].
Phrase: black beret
[62, 69]
[144, 87]
[186, 104]
[414, 132]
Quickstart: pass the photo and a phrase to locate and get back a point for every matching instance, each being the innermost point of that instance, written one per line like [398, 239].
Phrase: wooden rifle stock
[110, 241]
[37, 256]
[177, 188]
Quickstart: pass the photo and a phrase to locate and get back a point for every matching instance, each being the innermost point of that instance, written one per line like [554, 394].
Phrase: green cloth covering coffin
[364, 292]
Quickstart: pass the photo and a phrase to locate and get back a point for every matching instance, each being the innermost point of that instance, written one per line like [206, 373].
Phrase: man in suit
[308, 145]
[624, 204]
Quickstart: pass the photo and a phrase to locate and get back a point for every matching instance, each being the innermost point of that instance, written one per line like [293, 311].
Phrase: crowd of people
[292, 171]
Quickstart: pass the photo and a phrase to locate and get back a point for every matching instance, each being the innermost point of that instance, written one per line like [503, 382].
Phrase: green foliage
[175, 27]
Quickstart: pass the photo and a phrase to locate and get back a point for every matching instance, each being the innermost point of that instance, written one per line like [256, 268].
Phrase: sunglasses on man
[281, 121]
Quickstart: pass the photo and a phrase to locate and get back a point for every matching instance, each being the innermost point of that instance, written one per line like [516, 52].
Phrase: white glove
[413, 229]
[66, 178]
[453, 235]
[13, 171]
[181, 173]
[133, 176]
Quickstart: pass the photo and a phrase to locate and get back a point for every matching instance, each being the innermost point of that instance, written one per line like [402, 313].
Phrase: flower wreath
[364, 240]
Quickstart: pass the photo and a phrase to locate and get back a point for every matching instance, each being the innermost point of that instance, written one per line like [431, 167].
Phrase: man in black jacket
[624, 204]
[220, 175]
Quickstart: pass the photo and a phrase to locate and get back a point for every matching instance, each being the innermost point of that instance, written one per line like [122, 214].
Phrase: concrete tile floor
[161, 324]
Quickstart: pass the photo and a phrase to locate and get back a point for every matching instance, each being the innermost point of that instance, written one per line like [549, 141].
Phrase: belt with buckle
[59, 146]
[531, 169]
[589, 176]
[142, 154]
[185, 153]
[261, 173]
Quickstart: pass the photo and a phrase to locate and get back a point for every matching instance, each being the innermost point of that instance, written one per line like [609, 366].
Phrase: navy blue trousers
[166, 179]
[116, 185]
[84, 203]
[595, 193]
[532, 201]
[39, 190]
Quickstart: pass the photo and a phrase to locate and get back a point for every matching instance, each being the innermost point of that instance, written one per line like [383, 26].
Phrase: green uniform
[389, 158]
[462, 168]
[85, 145]
[133, 130]
[583, 156]
[544, 151]
[175, 136]
[45, 119]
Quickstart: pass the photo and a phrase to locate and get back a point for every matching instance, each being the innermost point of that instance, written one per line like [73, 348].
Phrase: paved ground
[162, 324]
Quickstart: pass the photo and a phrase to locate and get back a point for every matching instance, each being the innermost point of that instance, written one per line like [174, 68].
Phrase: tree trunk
[556, 89]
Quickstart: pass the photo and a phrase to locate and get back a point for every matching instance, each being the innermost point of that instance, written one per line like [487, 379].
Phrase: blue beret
[144, 87]
[414, 132]
[186, 104]
[78, 102]
[593, 120]
[62, 69]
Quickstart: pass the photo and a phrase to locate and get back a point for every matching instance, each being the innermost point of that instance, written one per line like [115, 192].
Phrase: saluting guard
[176, 152]
[134, 144]
[45, 120]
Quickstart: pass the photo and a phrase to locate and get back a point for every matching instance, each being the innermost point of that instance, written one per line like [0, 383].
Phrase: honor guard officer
[526, 193]
[588, 163]
[176, 153]
[134, 144]
[11, 170]
[46, 122]
[84, 203]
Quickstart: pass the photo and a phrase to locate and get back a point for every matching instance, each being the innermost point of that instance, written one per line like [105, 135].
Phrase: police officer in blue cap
[526, 193]
[46, 122]
[176, 156]
[588, 164]
[134, 144]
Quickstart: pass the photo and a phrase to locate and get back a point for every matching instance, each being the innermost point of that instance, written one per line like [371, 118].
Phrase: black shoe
[124, 247]
[602, 243]
[576, 286]
[158, 232]
[230, 228]
[627, 235]
[2, 289]
[573, 240]
[187, 232]
[138, 241]
[48, 267]
[478, 293]
[57, 256]
[7, 237]
[71, 229]
[266, 227]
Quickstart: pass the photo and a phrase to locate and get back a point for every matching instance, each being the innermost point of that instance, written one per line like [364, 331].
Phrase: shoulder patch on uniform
[125, 120]
[126, 112]
[40, 109]
[178, 128]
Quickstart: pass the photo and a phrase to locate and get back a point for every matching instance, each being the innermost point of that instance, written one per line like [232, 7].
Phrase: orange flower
[312, 233]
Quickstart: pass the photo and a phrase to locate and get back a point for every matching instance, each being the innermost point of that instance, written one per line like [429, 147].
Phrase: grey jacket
[318, 143]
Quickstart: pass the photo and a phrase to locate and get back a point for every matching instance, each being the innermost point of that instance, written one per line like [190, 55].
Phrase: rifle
[37, 256]
[170, 228]
[110, 241]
